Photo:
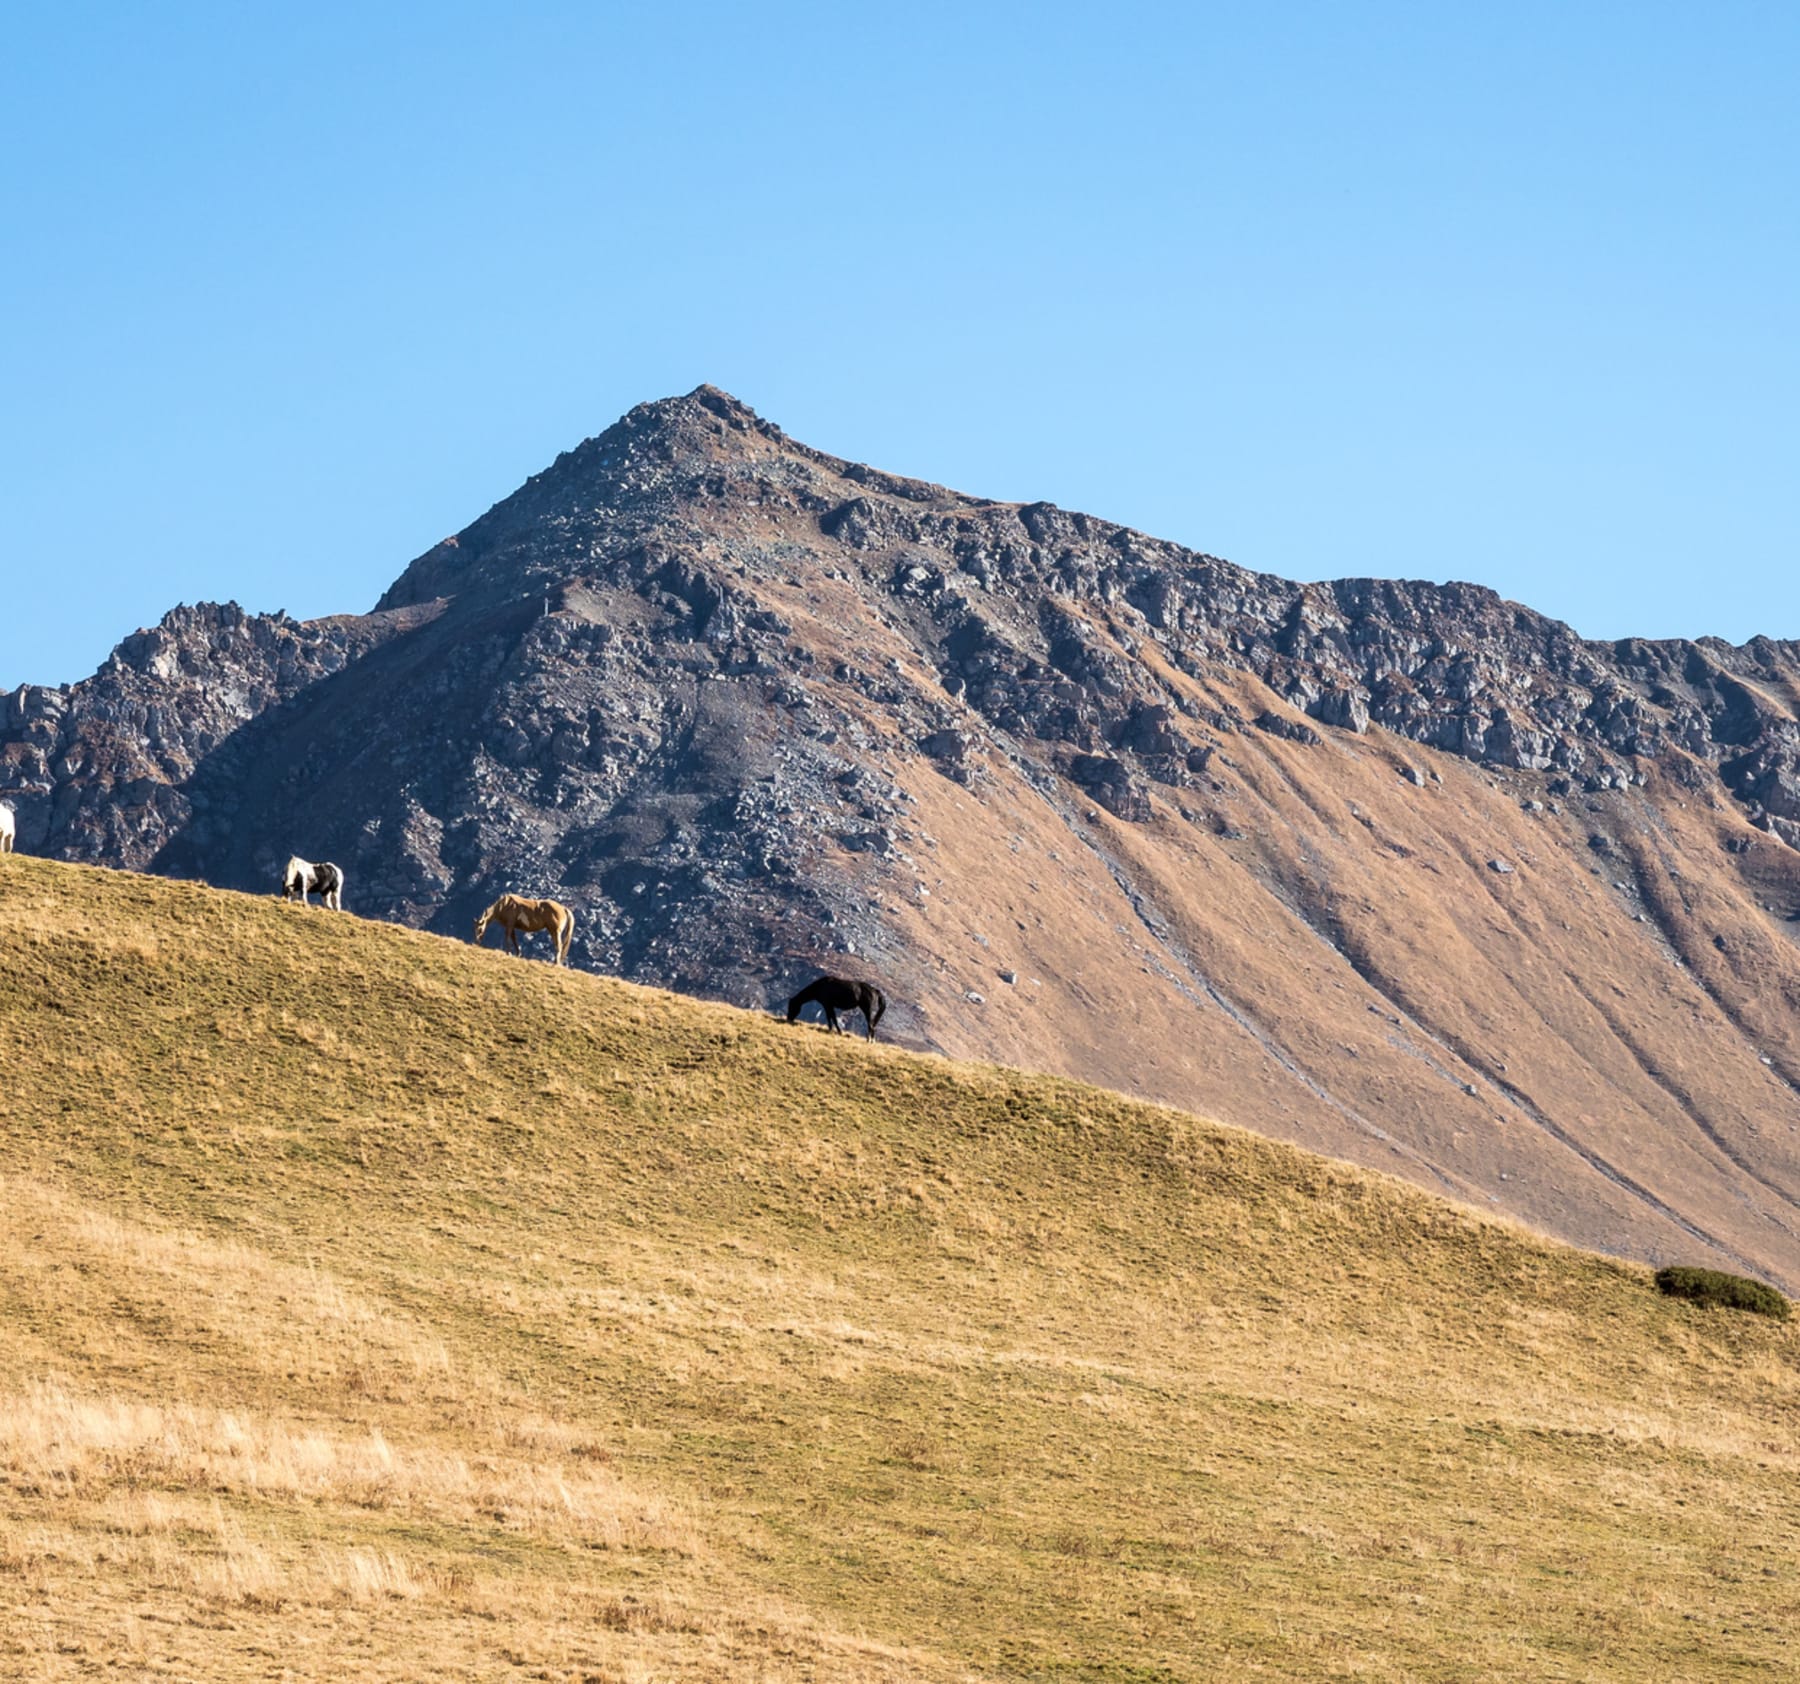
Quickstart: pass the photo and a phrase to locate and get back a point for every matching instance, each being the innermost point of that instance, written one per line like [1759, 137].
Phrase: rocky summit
[1404, 872]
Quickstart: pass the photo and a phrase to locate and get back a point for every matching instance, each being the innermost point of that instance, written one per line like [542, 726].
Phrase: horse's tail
[880, 1009]
[565, 933]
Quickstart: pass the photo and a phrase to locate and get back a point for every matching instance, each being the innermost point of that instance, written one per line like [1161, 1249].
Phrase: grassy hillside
[371, 1306]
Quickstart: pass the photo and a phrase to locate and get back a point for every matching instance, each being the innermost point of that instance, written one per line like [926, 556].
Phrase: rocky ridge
[746, 705]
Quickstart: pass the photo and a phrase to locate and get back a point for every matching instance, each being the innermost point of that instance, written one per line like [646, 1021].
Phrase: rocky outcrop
[102, 769]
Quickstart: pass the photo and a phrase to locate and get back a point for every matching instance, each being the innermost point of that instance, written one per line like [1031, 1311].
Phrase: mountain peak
[1399, 869]
[705, 416]
[654, 458]
[722, 403]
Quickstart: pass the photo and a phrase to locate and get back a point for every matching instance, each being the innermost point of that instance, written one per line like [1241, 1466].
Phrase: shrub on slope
[1714, 1287]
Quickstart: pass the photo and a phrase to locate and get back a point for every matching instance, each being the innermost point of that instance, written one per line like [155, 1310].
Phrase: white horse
[325, 878]
[9, 830]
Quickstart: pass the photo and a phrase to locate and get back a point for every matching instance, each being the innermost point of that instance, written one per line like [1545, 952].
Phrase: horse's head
[481, 923]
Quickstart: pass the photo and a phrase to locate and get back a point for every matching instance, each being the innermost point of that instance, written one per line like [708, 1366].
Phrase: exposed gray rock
[1347, 709]
[1279, 725]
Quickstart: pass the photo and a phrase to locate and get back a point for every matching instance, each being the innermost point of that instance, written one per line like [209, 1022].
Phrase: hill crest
[367, 1296]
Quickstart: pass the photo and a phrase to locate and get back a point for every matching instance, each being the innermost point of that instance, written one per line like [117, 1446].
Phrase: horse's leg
[512, 940]
[831, 1018]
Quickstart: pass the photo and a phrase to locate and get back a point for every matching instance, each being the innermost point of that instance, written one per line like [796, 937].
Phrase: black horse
[834, 995]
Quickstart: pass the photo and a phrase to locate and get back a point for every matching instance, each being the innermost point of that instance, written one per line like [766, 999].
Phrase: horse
[833, 995]
[325, 878]
[8, 828]
[514, 913]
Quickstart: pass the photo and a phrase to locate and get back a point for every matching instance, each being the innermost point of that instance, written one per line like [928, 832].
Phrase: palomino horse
[514, 913]
[833, 995]
[324, 878]
[8, 829]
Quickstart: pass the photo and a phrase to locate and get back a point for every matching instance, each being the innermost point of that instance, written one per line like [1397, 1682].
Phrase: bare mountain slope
[1402, 872]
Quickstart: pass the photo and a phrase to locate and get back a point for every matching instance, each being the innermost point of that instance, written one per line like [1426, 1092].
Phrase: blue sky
[1438, 291]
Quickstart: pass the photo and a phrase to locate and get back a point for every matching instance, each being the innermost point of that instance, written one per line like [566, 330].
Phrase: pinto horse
[514, 913]
[325, 878]
[833, 995]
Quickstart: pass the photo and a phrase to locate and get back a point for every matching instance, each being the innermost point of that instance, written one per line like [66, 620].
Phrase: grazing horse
[833, 995]
[324, 878]
[514, 913]
[8, 828]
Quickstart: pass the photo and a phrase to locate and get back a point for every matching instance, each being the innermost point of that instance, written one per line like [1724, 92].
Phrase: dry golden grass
[372, 1307]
